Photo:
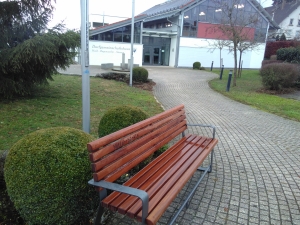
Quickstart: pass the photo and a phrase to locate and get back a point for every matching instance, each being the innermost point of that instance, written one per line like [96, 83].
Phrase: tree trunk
[240, 60]
[235, 64]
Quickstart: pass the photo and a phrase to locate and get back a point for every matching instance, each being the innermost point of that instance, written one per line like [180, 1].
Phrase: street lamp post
[132, 39]
[85, 70]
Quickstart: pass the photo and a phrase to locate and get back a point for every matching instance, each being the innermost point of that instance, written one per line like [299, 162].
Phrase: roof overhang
[273, 24]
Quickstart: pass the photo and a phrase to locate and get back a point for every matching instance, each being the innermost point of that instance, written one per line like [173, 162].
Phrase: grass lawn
[60, 104]
[247, 92]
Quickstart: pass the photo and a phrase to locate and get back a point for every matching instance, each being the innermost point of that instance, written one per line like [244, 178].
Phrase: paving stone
[255, 178]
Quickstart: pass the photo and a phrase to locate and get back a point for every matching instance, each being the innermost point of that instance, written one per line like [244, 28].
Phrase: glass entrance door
[146, 55]
[156, 56]
[152, 55]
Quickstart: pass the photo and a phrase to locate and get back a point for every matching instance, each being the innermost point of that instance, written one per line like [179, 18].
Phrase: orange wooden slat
[145, 179]
[95, 145]
[135, 145]
[144, 173]
[165, 185]
[156, 213]
[127, 162]
[110, 147]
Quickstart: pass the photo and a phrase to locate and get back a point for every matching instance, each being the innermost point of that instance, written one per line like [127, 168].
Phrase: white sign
[111, 52]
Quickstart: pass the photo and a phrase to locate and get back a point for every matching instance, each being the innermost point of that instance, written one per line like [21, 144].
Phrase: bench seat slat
[158, 188]
[162, 183]
[164, 203]
[150, 174]
[143, 174]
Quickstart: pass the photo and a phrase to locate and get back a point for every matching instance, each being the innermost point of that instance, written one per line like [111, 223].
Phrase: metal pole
[241, 70]
[229, 80]
[212, 65]
[132, 39]
[221, 74]
[85, 70]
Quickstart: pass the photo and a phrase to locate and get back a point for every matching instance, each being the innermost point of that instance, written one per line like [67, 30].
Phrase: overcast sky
[69, 10]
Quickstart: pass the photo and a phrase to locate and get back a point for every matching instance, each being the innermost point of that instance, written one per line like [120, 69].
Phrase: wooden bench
[161, 180]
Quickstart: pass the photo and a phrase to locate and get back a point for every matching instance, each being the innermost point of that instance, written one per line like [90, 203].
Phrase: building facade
[287, 16]
[179, 32]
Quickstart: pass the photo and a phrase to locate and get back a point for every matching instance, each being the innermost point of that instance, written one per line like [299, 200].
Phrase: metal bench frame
[143, 195]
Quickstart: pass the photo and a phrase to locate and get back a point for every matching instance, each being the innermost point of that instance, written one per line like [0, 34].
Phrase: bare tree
[219, 44]
[238, 27]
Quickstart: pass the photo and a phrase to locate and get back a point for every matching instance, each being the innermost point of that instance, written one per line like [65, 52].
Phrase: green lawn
[60, 104]
[248, 92]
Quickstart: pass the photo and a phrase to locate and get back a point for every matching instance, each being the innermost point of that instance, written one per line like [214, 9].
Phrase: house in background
[174, 34]
[287, 16]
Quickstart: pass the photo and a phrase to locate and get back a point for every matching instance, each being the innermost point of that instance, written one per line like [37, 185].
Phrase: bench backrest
[115, 154]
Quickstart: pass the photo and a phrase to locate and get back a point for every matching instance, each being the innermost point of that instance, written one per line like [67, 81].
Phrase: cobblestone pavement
[256, 174]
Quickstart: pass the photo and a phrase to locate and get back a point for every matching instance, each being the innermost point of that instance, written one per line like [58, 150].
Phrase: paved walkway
[256, 175]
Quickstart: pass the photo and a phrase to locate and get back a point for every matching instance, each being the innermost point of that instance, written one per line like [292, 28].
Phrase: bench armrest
[127, 190]
[204, 125]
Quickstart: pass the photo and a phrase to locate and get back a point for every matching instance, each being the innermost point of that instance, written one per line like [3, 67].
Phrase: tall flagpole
[85, 70]
[132, 39]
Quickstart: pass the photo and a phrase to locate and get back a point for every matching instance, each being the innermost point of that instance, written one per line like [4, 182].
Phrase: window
[291, 22]
[297, 36]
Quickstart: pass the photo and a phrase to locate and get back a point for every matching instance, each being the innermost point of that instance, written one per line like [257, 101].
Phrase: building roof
[169, 6]
[279, 13]
[174, 7]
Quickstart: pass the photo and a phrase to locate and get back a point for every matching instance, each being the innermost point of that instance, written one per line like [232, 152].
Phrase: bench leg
[211, 163]
[100, 211]
[187, 201]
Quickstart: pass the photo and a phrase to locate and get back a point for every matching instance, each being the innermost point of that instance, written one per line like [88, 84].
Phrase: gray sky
[69, 10]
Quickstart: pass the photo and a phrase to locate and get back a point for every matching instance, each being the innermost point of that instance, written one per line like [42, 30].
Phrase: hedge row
[272, 47]
[290, 54]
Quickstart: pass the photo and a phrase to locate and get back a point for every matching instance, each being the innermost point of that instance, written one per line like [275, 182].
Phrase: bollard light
[229, 80]
[221, 74]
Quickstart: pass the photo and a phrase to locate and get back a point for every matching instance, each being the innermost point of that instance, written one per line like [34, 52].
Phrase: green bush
[290, 54]
[120, 117]
[196, 65]
[139, 74]
[278, 76]
[46, 175]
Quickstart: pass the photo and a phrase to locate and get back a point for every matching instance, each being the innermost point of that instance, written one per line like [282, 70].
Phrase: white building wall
[195, 49]
[111, 52]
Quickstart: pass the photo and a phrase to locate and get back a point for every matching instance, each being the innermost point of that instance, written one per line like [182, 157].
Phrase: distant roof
[169, 6]
[174, 7]
[281, 14]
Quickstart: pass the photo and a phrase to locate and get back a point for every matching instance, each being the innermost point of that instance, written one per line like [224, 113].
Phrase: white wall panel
[194, 49]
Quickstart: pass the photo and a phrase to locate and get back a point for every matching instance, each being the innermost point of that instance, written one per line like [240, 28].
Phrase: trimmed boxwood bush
[139, 74]
[120, 117]
[278, 76]
[196, 65]
[46, 175]
[289, 54]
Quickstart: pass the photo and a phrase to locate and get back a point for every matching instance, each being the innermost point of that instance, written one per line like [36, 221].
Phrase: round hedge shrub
[196, 65]
[46, 175]
[278, 76]
[140, 74]
[120, 117]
